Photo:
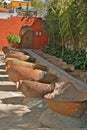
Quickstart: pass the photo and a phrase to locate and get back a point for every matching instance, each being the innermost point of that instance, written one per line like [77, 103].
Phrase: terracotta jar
[34, 89]
[24, 73]
[66, 99]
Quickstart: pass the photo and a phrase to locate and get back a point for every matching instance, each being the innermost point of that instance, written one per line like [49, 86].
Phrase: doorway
[27, 37]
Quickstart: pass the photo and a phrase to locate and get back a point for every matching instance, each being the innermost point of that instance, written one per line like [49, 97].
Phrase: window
[40, 33]
[36, 33]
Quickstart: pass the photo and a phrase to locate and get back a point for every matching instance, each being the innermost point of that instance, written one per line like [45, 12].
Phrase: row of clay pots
[19, 54]
[57, 61]
[18, 69]
[60, 97]
[82, 75]
[34, 80]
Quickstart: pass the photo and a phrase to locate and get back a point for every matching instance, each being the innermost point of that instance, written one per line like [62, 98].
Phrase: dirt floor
[20, 113]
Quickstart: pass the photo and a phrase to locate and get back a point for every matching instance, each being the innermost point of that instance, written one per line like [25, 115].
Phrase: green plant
[66, 23]
[13, 39]
[75, 57]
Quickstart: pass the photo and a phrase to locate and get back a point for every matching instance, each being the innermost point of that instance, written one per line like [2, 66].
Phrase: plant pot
[34, 89]
[71, 109]
[20, 63]
[66, 99]
[24, 73]
[20, 56]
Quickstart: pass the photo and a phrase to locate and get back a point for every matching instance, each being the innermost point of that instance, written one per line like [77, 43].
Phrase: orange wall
[39, 40]
[13, 25]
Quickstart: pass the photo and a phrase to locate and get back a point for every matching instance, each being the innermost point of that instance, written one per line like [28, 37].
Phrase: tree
[48, 2]
[66, 22]
[38, 4]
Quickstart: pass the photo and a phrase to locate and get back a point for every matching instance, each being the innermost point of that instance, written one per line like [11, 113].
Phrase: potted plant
[14, 40]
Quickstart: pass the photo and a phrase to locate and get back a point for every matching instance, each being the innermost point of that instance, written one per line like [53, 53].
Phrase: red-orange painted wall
[13, 25]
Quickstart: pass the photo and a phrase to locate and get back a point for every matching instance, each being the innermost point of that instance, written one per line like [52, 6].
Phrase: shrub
[77, 58]
[13, 39]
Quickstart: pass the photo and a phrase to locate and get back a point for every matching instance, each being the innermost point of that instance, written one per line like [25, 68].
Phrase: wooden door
[27, 38]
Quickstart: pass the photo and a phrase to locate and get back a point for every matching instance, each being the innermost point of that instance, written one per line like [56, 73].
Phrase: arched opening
[27, 37]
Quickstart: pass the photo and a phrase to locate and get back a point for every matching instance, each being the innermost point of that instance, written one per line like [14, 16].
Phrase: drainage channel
[59, 72]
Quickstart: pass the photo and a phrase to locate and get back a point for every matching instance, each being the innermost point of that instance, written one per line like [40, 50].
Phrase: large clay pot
[71, 109]
[24, 73]
[20, 56]
[34, 89]
[19, 63]
[82, 75]
[18, 53]
[66, 67]
[66, 99]
[7, 49]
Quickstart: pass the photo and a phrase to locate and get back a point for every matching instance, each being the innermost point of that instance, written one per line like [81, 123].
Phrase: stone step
[4, 77]
[7, 86]
[11, 97]
[2, 57]
[6, 94]
[13, 100]
[2, 65]
[2, 71]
